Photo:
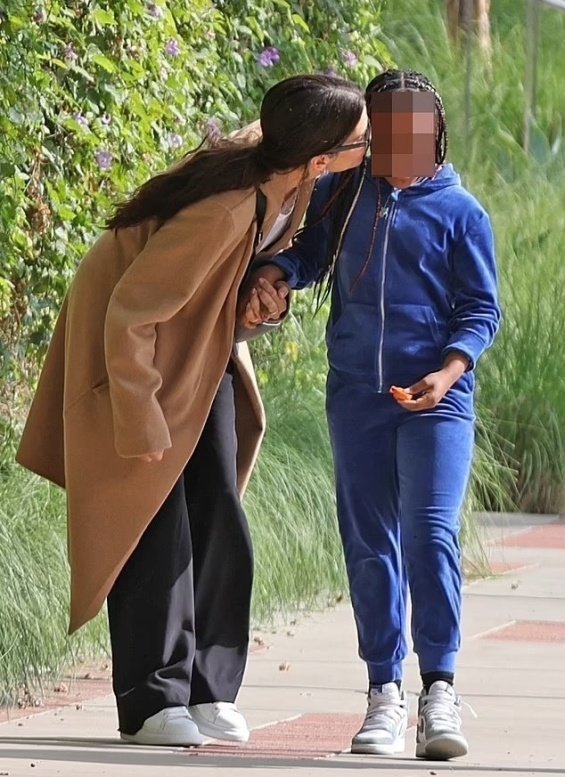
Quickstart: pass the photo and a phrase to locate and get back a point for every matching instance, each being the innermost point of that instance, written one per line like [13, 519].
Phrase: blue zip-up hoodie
[409, 287]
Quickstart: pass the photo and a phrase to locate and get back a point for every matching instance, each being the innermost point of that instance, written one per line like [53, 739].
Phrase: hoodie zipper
[388, 213]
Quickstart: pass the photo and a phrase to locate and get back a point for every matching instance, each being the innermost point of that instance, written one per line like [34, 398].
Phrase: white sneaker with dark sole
[439, 736]
[172, 727]
[220, 720]
[384, 729]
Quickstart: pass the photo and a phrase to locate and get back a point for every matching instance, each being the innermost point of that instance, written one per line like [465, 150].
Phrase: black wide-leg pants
[179, 610]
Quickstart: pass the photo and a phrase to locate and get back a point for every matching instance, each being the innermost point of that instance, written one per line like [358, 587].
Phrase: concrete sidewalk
[304, 693]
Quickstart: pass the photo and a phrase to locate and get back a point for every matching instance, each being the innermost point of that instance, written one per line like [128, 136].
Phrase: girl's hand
[428, 392]
[150, 457]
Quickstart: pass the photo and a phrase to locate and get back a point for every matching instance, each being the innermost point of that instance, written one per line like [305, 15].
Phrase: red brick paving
[505, 568]
[309, 736]
[551, 535]
[530, 631]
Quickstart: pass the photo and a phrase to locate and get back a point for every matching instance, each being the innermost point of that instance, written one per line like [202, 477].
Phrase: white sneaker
[439, 736]
[220, 720]
[171, 726]
[384, 729]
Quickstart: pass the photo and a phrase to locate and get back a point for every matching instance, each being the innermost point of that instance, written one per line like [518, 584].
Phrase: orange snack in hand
[401, 394]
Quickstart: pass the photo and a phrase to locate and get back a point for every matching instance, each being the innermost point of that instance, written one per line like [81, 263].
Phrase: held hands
[264, 297]
[428, 392]
[267, 302]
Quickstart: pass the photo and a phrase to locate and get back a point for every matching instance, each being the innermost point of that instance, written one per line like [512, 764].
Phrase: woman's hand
[428, 392]
[150, 457]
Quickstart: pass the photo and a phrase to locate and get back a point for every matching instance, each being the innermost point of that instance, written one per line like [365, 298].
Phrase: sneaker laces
[382, 708]
[443, 711]
[468, 706]
[443, 706]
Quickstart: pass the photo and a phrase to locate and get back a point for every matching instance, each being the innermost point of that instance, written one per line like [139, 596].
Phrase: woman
[149, 416]
[409, 257]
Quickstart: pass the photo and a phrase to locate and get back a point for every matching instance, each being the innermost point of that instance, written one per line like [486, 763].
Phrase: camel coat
[139, 349]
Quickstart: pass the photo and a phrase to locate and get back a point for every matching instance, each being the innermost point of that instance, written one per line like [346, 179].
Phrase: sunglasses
[350, 146]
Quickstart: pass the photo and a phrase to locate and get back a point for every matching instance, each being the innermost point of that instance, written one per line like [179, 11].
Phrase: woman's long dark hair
[339, 208]
[301, 117]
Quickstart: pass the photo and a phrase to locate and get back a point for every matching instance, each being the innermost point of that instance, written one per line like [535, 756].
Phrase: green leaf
[86, 75]
[102, 17]
[58, 62]
[299, 22]
[103, 62]
[368, 59]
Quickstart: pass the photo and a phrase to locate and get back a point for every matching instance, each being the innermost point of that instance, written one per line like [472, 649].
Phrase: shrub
[96, 97]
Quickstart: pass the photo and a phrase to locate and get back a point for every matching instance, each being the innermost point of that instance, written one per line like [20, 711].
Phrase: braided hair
[340, 210]
[400, 80]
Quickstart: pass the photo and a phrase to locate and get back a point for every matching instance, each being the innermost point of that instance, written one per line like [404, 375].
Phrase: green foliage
[521, 399]
[34, 586]
[96, 97]
[522, 380]
[291, 507]
[488, 142]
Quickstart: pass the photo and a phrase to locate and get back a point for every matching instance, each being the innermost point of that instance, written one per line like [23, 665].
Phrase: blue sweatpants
[401, 479]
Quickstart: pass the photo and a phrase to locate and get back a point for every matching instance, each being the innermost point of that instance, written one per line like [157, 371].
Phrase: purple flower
[275, 54]
[213, 130]
[155, 11]
[82, 120]
[269, 57]
[175, 141]
[106, 119]
[104, 159]
[39, 17]
[172, 49]
[331, 71]
[69, 53]
[350, 58]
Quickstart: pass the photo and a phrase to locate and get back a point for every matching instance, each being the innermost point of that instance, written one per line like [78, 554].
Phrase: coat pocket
[99, 388]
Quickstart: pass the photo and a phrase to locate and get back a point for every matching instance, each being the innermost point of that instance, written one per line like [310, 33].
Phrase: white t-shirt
[279, 227]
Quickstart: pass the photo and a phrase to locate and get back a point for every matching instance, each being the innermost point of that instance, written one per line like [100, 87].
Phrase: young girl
[409, 257]
[149, 416]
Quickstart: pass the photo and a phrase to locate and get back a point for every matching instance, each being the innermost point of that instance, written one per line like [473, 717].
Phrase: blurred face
[403, 137]
[353, 149]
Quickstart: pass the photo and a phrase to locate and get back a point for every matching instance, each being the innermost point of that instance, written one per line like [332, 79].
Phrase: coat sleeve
[161, 280]
[476, 312]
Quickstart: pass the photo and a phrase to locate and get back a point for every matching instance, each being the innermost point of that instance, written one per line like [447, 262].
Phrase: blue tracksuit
[415, 279]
